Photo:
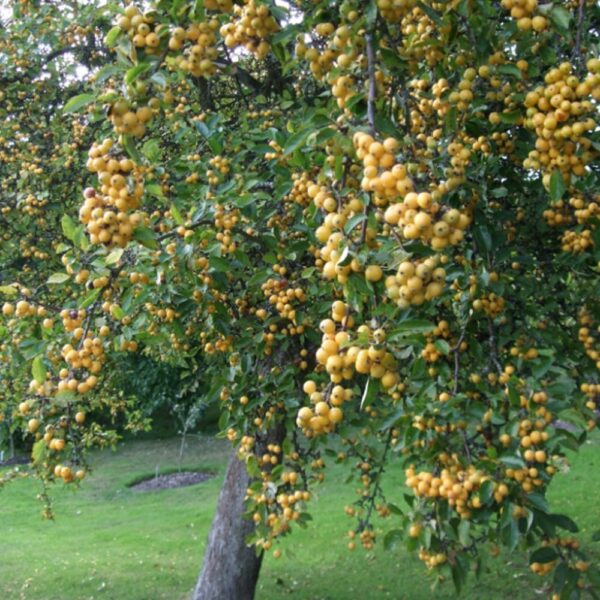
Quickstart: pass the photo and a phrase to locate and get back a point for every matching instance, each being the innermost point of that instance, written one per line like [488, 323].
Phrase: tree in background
[367, 229]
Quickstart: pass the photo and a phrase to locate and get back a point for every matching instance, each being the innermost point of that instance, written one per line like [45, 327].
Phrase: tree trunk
[230, 568]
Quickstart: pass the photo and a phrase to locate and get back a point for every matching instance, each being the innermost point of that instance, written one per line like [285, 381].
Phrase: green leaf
[412, 326]
[510, 117]
[38, 452]
[151, 150]
[370, 392]
[90, 298]
[296, 140]
[560, 18]
[538, 501]
[38, 369]
[510, 70]
[459, 574]
[114, 256]
[434, 16]
[130, 148]
[117, 312]
[8, 290]
[442, 346]
[77, 102]
[110, 39]
[463, 532]
[176, 215]
[58, 278]
[69, 228]
[371, 13]
[450, 120]
[514, 462]
[155, 190]
[392, 539]
[145, 237]
[133, 73]
[557, 186]
[564, 522]
[543, 555]
[220, 264]
[353, 222]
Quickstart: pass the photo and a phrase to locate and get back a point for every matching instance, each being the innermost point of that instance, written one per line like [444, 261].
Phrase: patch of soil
[172, 481]
[17, 460]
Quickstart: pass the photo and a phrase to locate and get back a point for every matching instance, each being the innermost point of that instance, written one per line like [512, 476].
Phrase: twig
[456, 350]
[493, 347]
[173, 232]
[577, 47]
[372, 88]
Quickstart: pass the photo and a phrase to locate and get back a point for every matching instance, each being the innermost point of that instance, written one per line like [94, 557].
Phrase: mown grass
[111, 542]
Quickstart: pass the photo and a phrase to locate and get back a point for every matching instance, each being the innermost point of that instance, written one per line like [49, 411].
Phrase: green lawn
[111, 542]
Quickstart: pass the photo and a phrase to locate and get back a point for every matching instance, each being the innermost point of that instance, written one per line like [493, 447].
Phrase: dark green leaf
[145, 237]
[557, 186]
[77, 102]
[38, 369]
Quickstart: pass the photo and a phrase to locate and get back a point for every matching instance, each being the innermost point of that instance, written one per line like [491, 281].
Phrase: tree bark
[230, 568]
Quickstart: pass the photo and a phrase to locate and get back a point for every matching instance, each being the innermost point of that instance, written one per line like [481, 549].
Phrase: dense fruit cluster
[283, 297]
[140, 28]
[107, 215]
[129, 120]
[416, 281]
[589, 336]
[526, 15]
[251, 27]
[197, 47]
[561, 114]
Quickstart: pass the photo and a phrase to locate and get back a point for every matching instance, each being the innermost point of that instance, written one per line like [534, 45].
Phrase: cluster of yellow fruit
[576, 210]
[416, 281]
[561, 114]
[283, 297]
[251, 27]
[463, 97]
[67, 474]
[432, 559]
[458, 485]
[129, 120]
[121, 188]
[218, 163]
[89, 355]
[32, 206]
[491, 304]
[431, 353]
[394, 11]
[420, 217]
[589, 336]
[199, 57]
[524, 11]
[558, 214]
[577, 241]
[276, 154]
[299, 191]
[326, 412]
[140, 29]
[223, 344]
[322, 55]
[277, 503]
[381, 173]
[584, 210]
[418, 33]
[225, 220]
[72, 320]
[23, 308]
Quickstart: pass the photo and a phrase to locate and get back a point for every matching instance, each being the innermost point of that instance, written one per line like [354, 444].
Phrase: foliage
[373, 222]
